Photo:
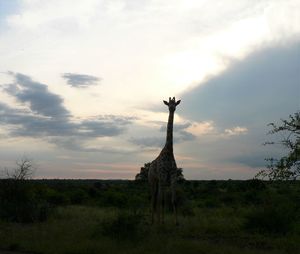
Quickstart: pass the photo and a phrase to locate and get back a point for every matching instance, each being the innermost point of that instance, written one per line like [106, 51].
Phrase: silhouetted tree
[143, 175]
[20, 200]
[287, 167]
[24, 170]
[180, 176]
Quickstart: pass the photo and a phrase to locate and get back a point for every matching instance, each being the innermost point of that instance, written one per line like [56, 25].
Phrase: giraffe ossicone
[163, 171]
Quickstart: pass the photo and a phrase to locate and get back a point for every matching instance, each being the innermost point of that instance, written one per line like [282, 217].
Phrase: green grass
[80, 229]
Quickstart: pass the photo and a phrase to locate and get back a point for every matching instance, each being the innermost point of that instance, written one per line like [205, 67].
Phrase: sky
[82, 84]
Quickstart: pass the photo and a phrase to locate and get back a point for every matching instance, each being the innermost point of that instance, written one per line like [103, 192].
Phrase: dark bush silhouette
[143, 175]
[78, 196]
[277, 216]
[19, 202]
[124, 226]
[20, 199]
[56, 198]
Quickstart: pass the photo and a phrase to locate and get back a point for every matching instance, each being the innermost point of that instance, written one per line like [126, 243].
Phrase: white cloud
[201, 128]
[235, 131]
[35, 13]
[163, 47]
[283, 19]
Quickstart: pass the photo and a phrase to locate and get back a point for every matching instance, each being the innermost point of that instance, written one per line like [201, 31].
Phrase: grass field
[217, 221]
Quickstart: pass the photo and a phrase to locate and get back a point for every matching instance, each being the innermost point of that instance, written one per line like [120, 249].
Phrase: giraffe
[163, 171]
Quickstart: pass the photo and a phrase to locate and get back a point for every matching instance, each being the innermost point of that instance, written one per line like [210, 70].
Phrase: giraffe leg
[163, 193]
[174, 200]
[160, 204]
[175, 212]
[154, 193]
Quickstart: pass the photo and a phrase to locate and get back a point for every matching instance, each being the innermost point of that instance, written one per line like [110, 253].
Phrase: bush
[20, 203]
[255, 184]
[212, 203]
[187, 209]
[275, 217]
[78, 196]
[115, 199]
[56, 198]
[136, 203]
[125, 226]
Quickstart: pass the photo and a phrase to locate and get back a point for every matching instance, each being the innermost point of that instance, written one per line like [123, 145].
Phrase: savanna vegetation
[92, 216]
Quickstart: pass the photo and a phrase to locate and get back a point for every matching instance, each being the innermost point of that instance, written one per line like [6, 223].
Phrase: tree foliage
[143, 175]
[287, 167]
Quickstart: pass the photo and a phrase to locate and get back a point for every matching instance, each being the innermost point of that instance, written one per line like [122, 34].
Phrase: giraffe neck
[169, 139]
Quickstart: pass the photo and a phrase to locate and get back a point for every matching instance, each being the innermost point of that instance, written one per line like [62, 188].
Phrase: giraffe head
[172, 104]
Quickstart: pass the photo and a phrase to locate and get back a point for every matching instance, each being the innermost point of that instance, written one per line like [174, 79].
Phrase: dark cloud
[46, 117]
[37, 96]
[257, 90]
[260, 89]
[33, 126]
[120, 120]
[107, 125]
[180, 132]
[255, 161]
[78, 145]
[80, 80]
[184, 136]
[176, 127]
[180, 135]
[148, 141]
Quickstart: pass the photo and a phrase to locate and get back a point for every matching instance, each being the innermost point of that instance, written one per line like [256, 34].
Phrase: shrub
[274, 217]
[115, 199]
[20, 203]
[187, 209]
[124, 227]
[255, 184]
[212, 203]
[56, 198]
[136, 203]
[78, 196]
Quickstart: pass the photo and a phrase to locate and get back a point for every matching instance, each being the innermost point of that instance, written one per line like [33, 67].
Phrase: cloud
[107, 125]
[184, 136]
[148, 141]
[80, 80]
[253, 92]
[254, 160]
[241, 101]
[181, 130]
[202, 128]
[37, 96]
[235, 131]
[24, 123]
[28, 125]
[180, 135]
[176, 127]
[74, 143]
[46, 117]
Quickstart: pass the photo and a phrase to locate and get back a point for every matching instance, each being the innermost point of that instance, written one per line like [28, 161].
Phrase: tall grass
[214, 217]
[79, 229]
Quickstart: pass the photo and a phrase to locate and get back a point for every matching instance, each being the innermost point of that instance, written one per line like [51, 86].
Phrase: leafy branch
[287, 167]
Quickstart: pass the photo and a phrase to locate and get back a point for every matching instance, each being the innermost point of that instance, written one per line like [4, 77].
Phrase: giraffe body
[163, 171]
